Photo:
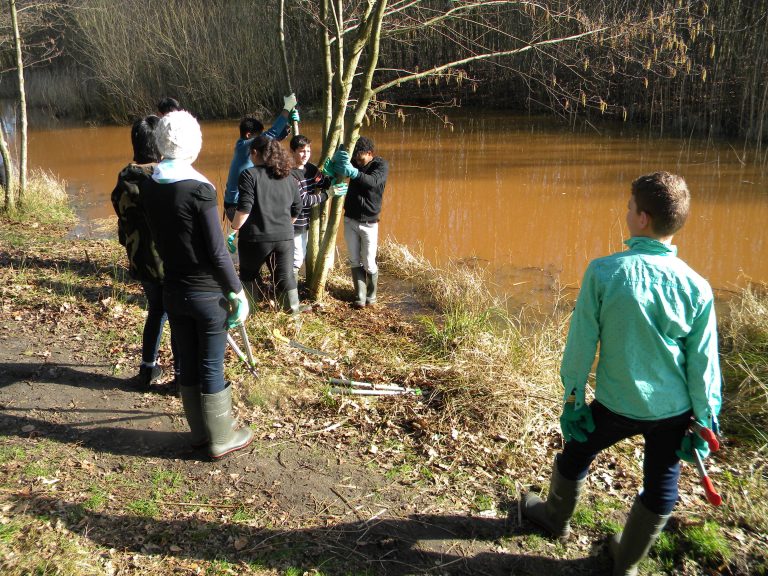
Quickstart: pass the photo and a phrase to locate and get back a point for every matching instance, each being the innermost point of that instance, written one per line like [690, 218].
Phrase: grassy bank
[484, 429]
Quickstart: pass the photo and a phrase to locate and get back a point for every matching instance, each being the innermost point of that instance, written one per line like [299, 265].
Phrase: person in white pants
[362, 207]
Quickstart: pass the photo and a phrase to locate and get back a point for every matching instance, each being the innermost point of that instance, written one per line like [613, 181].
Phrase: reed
[45, 201]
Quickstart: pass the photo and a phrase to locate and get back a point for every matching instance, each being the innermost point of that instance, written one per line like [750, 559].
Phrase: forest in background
[106, 61]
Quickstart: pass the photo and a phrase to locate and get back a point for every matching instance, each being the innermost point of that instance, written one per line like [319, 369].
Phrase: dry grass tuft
[745, 364]
[45, 200]
[502, 368]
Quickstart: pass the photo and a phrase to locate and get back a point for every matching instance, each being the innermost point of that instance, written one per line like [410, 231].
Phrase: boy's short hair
[299, 141]
[250, 124]
[363, 144]
[168, 104]
[665, 198]
[143, 140]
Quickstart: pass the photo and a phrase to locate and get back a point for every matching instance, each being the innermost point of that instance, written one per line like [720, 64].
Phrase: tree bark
[8, 185]
[22, 105]
[369, 34]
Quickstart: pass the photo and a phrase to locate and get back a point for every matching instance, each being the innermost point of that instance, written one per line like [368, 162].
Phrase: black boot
[359, 285]
[147, 376]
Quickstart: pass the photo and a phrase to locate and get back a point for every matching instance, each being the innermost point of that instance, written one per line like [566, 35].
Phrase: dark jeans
[153, 325]
[199, 325]
[661, 466]
[254, 254]
[156, 317]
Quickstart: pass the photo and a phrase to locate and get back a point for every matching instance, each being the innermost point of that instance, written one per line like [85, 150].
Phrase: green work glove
[327, 168]
[343, 166]
[231, 246]
[691, 442]
[576, 420]
[289, 102]
[238, 309]
[295, 115]
[340, 189]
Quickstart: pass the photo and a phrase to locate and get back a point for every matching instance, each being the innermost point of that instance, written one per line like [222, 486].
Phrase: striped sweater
[313, 185]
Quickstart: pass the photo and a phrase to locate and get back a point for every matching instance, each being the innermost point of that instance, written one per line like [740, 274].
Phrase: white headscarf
[179, 140]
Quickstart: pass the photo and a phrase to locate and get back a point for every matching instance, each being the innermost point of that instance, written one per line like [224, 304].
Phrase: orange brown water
[533, 200]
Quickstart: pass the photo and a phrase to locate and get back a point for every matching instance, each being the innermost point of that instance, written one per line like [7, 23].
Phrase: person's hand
[327, 168]
[340, 189]
[691, 442]
[231, 246]
[295, 115]
[238, 309]
[576, 423]
[576, 420]
[289, 102]
[343, 166]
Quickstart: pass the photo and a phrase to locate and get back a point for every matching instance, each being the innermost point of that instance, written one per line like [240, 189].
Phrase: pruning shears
[248, 357]
[709, 437]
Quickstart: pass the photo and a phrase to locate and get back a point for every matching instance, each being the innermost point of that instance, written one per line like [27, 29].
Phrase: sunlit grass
[45, 201]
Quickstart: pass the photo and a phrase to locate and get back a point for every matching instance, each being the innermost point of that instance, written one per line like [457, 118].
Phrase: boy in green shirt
[654, 319]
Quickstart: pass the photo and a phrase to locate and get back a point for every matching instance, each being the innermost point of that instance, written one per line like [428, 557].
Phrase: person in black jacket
[144, 263]
[201, 292]
[367, 178]
[268, 204]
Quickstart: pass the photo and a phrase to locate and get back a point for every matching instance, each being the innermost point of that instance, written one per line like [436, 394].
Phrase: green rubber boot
[554, 514]
[219, 424]
[628, 548]
[359, 285]
[193, 410]
[372, 283]
[289, 302]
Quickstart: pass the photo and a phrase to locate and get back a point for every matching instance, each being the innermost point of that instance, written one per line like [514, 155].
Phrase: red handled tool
[709, 437]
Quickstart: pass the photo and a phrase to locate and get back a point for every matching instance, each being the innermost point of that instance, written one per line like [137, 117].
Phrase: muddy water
[532, 200]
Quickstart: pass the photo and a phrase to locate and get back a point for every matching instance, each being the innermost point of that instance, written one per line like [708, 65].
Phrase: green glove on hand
[576, 420]
[343, 166]
[238, 304]
[289, 102]
[691, 442]
[340, 189]
[295, 115]
[327, 168]
[231, 246]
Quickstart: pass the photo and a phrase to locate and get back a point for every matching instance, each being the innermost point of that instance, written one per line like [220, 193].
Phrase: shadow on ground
[389, 546]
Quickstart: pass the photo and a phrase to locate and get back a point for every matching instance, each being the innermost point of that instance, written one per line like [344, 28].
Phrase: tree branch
[486, 56]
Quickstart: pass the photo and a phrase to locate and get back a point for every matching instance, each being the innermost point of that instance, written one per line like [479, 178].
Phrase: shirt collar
[650, 246]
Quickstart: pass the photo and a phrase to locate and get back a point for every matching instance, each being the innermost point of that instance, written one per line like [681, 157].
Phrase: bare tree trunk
[370, 36]
[318, 216]
[10, 196]
[22, 104]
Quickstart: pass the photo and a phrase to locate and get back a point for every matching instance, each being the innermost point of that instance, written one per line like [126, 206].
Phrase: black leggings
[253, 255]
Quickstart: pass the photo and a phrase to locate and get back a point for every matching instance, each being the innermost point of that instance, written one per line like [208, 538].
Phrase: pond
[527, 197]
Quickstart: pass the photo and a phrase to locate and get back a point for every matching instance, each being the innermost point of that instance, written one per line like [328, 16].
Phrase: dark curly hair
[277, 160]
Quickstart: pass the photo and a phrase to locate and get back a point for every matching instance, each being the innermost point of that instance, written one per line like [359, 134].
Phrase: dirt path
[310, 506]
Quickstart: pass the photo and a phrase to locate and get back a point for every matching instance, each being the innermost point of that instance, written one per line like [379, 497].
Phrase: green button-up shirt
[654, 318]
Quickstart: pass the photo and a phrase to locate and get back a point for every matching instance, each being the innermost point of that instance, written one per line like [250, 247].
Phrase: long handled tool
[709, 489]
[344, 386]
[298, 345]
[248, 360]
[286, 70]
